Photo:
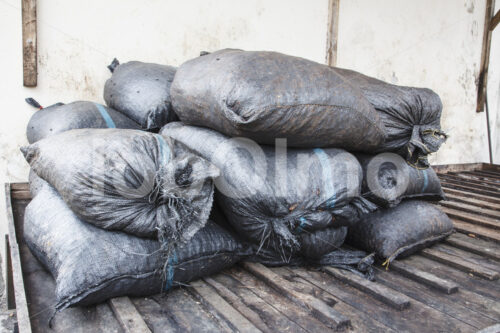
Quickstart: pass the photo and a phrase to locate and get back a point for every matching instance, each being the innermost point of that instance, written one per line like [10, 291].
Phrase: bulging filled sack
[267, 193]
[412, 116]
[388, 179]
[36, 183]
[400, 231]
[141, 91]
[268, 95]
[128, 180]
[64, 117]
[91, 265]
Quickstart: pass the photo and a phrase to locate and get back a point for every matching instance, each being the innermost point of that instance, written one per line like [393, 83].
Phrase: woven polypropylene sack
[60, 118]
[128, 180]
[269, 194]
[411, 116]
[388, 179]
[268, 95]
[402, 230]
[35, 183]
[141, 91]
[91, 265]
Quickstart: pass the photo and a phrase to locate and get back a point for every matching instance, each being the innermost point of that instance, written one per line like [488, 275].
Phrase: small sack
[64, 117]
[128, 180]
[268, 95]
[91, 265]
[400, 231]
[267, 193]
[388, 179]
[141, 91]
[411, 116]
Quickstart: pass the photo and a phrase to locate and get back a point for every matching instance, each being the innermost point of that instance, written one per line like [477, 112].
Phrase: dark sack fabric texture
[356, 261]
[402, 230]
[128, 180]
[91, 265]
[61, 118]
[388, 180]
[268, 95]
[268, 195]
[411, 116]
[141, 91]
[36, 183]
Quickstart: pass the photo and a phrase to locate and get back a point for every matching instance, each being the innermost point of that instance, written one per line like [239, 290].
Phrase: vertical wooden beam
[494, 21]
[485, 56]
[332, 32]
[29, 43]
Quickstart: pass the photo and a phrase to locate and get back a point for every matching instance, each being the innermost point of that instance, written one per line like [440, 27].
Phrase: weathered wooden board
[442, 289]
[29, 43]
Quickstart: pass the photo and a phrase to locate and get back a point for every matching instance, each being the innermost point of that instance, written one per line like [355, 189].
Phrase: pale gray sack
[401, 230]
[60, 118]
[272, 197]
[91, 265]
[387, 181]
[36, 183]
[269, 95]
[412, 116]
[141, 91]
[128, 180]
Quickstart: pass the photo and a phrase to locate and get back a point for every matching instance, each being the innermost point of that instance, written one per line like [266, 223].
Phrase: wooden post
[332, 32]
[485, 56]
[29, 43]
[494, 21]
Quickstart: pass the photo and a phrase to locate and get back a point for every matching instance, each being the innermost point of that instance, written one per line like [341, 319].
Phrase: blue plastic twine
[105, 115]
[164, 150]
[173, 260]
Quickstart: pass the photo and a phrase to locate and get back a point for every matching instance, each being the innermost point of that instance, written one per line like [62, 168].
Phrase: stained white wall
[434, 44]
[429, 43]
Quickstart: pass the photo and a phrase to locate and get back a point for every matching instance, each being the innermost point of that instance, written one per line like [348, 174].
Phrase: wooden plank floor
[452, 287]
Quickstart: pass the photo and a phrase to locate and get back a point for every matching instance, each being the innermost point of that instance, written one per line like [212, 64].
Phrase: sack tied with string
[388, 179]
[91, 265]
[272, 196]
[411, 116]
[141, 91]
[267, 95]
[128, 180]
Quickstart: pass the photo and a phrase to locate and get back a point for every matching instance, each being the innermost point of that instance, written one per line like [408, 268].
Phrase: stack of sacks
[287, 142]
[265, 96]
[122, 212]
[294, 203]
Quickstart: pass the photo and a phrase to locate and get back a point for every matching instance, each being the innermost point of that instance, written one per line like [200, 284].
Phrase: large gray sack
[388, 179]
[141, 91]
[268, 195]
[91, 265]
[128, 180]
[268, 95]
[400, 231]
[80, 114]
[412, 116]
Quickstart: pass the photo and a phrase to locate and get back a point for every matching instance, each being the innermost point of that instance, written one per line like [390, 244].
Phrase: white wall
[427, 43]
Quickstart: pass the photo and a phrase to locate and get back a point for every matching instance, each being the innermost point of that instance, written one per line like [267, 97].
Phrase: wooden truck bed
[452, 287]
